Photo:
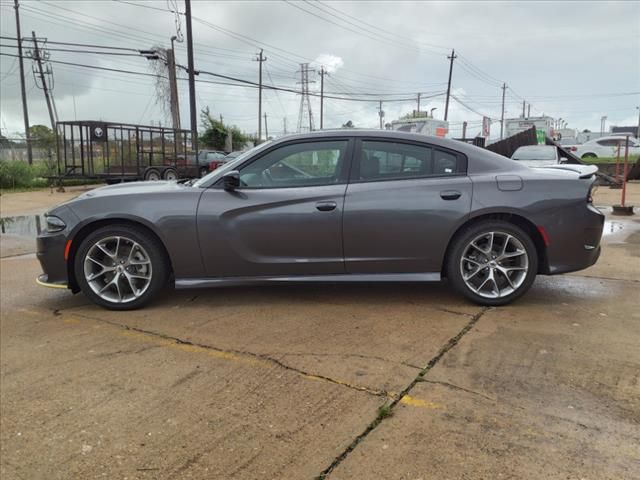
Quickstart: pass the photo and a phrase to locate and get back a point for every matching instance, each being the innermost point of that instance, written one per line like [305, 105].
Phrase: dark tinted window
[297, 165]
[387, 160]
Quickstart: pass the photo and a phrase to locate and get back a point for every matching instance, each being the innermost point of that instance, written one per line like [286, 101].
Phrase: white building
[422, 125]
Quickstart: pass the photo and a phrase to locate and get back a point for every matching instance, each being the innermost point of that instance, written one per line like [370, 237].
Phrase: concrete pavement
[355, 381]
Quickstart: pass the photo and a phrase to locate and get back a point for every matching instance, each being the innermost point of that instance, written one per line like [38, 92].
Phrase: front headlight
[54, 224]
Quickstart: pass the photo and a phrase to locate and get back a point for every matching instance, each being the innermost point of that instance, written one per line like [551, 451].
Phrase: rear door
[285, 219]
[403, 202]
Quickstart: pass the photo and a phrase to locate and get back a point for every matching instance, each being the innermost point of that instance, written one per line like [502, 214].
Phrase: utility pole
[322, 73]
[25, 111]
[173, 85]
[192, 80]
[266, 128]
[464, 130]
[446, 105]
[523, 108]
[638, 108]
[380, 113]
[260, 58]
[38, 58]
[418, 105]
[504, 91]
[529, 111]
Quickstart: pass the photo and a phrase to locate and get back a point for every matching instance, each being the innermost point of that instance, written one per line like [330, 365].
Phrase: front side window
[390, 160]
[297, 165]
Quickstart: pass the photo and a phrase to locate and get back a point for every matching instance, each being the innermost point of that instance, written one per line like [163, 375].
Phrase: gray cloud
[544, 51]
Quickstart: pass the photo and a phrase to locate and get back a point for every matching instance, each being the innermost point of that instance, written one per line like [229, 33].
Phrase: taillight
[573, 149]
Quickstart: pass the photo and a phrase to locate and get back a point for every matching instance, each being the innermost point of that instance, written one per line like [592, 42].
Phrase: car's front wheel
[492, 263]
[121, 267]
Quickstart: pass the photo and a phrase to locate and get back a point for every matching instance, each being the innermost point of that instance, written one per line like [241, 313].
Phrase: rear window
[535, 153]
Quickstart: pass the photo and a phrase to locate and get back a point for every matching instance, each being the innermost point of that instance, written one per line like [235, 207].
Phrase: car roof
[613, 137]
[384, 134]
[536, 146]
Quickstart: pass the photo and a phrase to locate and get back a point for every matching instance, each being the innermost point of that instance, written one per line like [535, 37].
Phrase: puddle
[23, 226]
[611, 227]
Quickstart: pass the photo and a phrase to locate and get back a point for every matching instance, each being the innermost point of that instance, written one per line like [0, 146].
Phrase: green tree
[42, 136]
[215, 133]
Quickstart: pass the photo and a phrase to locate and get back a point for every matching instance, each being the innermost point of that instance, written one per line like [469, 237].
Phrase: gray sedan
[331, 206]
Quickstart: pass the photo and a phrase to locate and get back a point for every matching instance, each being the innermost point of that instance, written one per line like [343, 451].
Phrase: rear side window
[392, 160]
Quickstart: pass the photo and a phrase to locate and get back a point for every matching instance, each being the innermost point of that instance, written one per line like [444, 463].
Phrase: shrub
[19, 174]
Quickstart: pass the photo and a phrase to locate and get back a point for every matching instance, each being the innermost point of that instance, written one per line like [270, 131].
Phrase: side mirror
[231, 180]
[564, 159]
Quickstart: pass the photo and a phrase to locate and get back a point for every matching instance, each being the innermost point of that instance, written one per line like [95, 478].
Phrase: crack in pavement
[259, 356]
[457, 387]
[387, 410]
[603, 278]
[351, 355]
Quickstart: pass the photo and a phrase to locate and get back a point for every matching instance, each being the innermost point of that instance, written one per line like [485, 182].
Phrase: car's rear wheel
[203, 171]
[121, 267]
[589, 155]
[492, 263]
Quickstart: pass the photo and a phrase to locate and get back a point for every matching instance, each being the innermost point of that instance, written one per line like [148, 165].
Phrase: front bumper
[43, 281]
[50, 253]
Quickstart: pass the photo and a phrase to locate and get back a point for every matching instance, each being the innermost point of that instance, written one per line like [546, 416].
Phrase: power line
[107, 47]
[81, 51]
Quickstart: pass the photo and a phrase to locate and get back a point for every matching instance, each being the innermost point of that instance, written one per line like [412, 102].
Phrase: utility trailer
[118, 152]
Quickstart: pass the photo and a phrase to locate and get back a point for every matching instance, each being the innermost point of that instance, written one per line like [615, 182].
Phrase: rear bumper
[575, 243]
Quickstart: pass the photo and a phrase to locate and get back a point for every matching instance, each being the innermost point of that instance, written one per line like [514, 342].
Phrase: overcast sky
[572, 60]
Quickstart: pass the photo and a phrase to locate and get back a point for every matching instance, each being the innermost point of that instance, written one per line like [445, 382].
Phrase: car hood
[132, 188]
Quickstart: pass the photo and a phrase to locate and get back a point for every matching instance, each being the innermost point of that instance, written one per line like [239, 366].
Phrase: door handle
[450, 194]
[326, 206]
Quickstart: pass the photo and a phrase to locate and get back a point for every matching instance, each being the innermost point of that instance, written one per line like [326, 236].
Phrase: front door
[286, 217]
[403, 203]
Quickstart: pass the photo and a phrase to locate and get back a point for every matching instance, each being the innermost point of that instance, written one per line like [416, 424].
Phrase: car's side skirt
[336, 278]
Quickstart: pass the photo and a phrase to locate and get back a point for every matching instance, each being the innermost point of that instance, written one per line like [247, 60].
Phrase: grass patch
[19, 176]
[591, 161]
[384, 411]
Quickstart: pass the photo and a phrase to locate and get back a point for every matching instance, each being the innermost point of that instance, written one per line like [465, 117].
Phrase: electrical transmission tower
[305, 104]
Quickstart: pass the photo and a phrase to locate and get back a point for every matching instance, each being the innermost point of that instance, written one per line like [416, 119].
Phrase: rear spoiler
[583, 171]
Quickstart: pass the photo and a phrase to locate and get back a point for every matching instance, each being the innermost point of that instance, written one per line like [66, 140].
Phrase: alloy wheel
[494, 264]
[117, 269]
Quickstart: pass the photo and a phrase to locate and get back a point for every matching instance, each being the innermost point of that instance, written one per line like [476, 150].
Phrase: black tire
[170, 174]
[203, 171]
[461, 243]
[152, 174]
[589, 155]
[159, 265]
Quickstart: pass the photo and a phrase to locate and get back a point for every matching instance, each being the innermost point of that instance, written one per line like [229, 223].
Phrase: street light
[434, 108]
[603, 121]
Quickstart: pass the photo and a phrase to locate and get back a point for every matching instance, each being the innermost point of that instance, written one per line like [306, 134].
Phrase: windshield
[541, 152]
[230, 165]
